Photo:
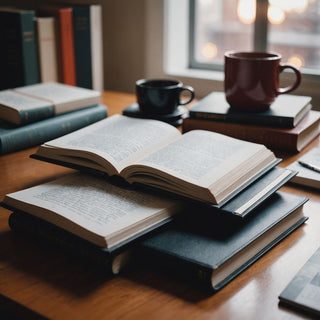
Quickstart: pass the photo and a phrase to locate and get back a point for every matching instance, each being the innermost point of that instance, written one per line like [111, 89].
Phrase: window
[290, 27]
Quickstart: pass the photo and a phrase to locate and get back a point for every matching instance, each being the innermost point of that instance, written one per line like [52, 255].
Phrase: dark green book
[18, 54]
[286, 111]
[303, 291]
[212, 249]
[82, 46]
[17, 138]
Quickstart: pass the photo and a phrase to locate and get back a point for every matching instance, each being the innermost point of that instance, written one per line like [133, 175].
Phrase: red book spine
[67, 46]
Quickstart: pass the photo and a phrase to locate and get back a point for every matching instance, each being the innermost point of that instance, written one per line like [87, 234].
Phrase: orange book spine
[67, 46]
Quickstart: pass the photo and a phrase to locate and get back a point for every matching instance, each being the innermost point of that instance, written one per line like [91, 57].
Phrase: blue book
[17, 138]
[18, 54]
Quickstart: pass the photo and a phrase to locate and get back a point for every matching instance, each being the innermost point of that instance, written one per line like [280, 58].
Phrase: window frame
[175, 54]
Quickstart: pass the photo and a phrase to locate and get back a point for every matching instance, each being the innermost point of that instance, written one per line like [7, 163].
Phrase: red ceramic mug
[252, 79]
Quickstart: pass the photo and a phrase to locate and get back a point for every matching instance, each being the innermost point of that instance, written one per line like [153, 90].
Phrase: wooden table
[37, 282]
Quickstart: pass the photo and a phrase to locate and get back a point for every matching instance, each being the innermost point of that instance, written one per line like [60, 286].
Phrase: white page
[119, 139]
[90, 202]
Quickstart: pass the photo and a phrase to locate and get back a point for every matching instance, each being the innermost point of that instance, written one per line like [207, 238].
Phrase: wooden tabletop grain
[40, 282]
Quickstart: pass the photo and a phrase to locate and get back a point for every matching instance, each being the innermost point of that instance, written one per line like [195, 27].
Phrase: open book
[201, 165]
[95, 209]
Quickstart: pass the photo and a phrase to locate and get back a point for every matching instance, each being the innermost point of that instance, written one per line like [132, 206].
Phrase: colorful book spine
[17, 138]
[19, 57]
[82, 45]
[67, 46]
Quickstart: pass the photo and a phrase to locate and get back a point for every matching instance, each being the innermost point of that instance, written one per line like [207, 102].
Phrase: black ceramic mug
[161, 96]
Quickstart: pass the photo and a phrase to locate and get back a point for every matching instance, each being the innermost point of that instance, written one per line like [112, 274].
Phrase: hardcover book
[87, 31]
[64, 34]
[14, 138]
[285, 139]
[103, 212]
[303, 291]
[48, 49]
[18, 54]
[307, 176]
[211, 250]
[200, 165]
[286, 111]
[50, 236]
[29, 104]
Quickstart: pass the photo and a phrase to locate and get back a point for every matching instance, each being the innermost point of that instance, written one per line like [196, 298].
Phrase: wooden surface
[38, 282]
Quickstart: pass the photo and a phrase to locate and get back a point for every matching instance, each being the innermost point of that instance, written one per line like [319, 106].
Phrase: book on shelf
[200, 165]
[286, 111]
[47, 49]
[64, 35]
[36, 102]
[307, 176]
[212, 249]
[285, 139]
[87, 30]
[303, 291]
[14, 138]
[18, 54]
[50, 236]
[106, 213]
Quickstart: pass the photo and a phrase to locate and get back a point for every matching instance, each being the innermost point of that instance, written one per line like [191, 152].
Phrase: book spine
[49, 235]
[82, 46]
[19, 59]
[272, 139]
[281, 122]
[29, 48]
[48, 62]
[34, 115]
[67, 46]
[96, 47]
[15, 139]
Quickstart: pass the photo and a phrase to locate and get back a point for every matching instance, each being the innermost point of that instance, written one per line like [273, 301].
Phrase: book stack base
[211, 217]
[289, 125]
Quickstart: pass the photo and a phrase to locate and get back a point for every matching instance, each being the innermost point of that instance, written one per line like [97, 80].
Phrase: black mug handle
[189, 89]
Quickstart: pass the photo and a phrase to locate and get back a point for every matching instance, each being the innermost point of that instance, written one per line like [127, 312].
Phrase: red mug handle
[191, 91]
[297, 72]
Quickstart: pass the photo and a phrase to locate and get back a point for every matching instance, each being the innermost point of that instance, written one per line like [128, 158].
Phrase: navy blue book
[14, 138]
[212, 249]
[18, 54]
[82, 46]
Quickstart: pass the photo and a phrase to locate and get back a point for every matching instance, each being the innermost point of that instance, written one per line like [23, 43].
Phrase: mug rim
[174, 83]
[252, 55]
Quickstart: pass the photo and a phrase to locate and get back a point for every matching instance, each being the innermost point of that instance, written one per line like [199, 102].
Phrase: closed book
[82, 46]
[64, 35]
[32, 103]
[212, 249]
[303, 291]
[17, 138]
[286, 111]
[307, 176]
[18, 54]
[285, 139]
[67, 46]
[47, 48]
[47, 235]
[251, 197]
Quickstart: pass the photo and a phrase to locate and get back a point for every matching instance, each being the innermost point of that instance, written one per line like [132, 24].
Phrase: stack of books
[288, 125]
[53, 43]
[33, 114]
[201, 202]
